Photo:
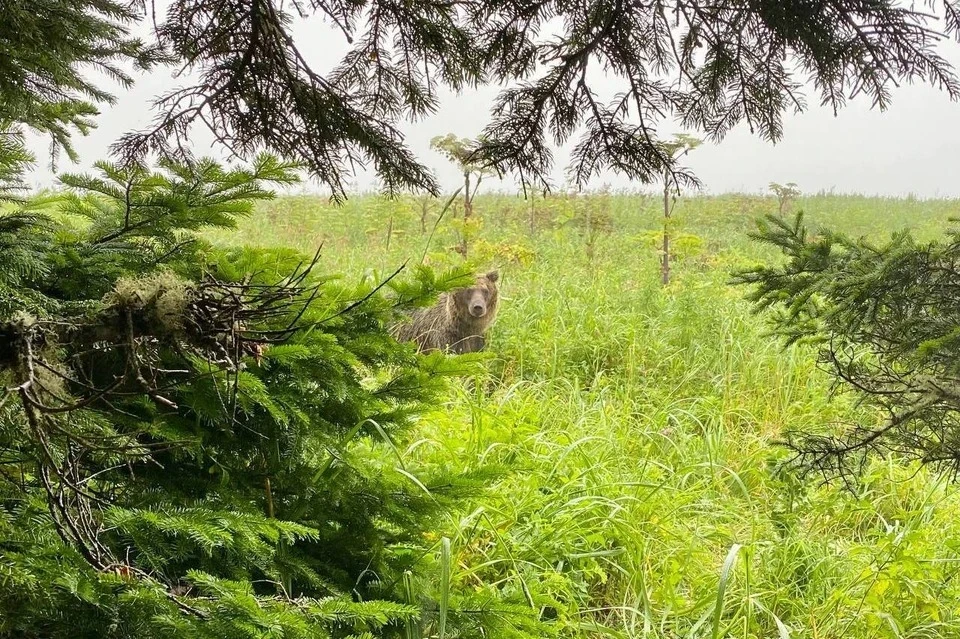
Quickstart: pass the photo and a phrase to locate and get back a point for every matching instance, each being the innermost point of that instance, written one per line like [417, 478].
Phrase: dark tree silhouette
[712, 65]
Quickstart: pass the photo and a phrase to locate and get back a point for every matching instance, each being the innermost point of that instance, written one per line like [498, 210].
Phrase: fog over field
[909, 149]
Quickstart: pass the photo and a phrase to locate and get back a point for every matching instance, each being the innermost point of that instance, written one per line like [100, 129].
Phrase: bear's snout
[477, 303]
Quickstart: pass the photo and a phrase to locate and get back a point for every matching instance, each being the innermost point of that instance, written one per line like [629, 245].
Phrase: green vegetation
[205, 437]
[884, 318]
[681, 145]
[646, 497]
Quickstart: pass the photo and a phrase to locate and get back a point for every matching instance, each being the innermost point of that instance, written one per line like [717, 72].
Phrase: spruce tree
[199, 441]
[49, 49]
[711, 65]
[884, 318]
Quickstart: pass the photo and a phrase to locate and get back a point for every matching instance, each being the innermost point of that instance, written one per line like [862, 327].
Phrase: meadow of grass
[646, 497]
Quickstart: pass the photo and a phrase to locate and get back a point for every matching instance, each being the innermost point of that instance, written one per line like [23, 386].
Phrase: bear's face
[479, 300]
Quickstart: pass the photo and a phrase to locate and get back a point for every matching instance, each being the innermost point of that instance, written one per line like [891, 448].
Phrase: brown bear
[457, 322]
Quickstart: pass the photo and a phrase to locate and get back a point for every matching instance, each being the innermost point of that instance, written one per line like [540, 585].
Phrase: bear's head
[479, 301]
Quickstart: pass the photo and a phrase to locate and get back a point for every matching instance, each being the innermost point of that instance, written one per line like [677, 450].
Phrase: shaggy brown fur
[457, 322]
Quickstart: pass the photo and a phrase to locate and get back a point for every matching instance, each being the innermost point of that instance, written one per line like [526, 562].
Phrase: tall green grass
[647, 497]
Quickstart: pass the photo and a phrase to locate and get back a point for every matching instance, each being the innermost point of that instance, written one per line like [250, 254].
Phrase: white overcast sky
[913, 147]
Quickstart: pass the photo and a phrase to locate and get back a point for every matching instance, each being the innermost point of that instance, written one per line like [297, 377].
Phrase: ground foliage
[651, 496]
[208, 441]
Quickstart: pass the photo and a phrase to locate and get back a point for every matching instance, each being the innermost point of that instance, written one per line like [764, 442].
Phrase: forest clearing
[639, 424]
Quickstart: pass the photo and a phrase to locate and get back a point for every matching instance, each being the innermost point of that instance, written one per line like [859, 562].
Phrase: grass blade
[412, 628]
[782, 630]
[445, 569]
[725, 573]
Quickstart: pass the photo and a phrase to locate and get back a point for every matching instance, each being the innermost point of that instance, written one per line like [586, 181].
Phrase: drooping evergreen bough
[885, 318]
[711, 65]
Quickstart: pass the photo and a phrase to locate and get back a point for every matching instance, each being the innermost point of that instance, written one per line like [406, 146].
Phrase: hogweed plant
[786, 194]
[680, 146]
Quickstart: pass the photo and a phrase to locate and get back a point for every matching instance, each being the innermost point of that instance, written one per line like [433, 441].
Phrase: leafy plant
[425, 203]
[674, 150]
[461, 152]
[467, 230]
[785, 193]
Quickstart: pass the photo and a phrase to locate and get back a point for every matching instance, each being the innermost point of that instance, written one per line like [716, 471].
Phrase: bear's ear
[493, 276]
